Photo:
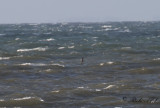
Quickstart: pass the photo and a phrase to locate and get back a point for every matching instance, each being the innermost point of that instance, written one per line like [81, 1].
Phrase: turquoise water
[40, 65]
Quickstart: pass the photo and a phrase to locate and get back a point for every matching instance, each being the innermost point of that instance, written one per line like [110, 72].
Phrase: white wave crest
[56, 91]
[109, 87]
[17, 38]
[50, 39]
[61, 47]
[33, 64]
[110, 62]
[33, 49]
[156, 59]
[106, 26]
[126, 48]
[2, 34]
[56, 64]
[4, 58]
[80, 87]
[70, 47]
[27, 98]
[40, 64]
[101, 64]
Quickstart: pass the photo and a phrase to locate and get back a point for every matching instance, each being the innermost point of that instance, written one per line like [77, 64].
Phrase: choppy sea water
[41, 65]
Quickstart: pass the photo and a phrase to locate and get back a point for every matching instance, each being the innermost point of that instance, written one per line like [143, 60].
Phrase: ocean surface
[41, 65]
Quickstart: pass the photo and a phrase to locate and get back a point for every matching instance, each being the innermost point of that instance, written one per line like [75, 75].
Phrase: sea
[80, 65]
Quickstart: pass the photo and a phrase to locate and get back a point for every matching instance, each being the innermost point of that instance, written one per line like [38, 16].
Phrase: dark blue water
[41, 65]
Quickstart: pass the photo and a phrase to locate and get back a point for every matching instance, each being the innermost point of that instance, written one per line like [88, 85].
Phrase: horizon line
[83, 22]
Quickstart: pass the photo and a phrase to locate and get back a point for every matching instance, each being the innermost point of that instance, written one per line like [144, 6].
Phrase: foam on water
[41, 64]
[156, 59]
[2, 34]
[109, 63]
[61, 48]
[50, 39]
[110, 86]
[4, 58]
[17, 38]
[55, 91]
[106, 26]
[27, 98]
[56, 64]
[70, 47]
[126, 48]
[33, 64]
[18, 102]
[33, 49]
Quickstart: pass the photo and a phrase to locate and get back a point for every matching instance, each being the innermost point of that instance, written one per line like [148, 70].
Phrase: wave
[4, 58]
[56, 64]
[126, 48]
[61, 47]
[70, 47]
[32, 64]
[2, 34]
[109, 63]
[33, 49]
[50, 39]
[17, 38]
[25, 101]
[110, 86]
[156, 59]
[106, 26]
[41, 64]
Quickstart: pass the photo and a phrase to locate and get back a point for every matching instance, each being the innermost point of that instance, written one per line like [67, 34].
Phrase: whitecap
[48, 70]
[110, 62]
[70, 47]
[85, 40]
[4, 58]
[73, 52]
[109, 87]
[33, 49]
[80, 87]
[107, 29]
[94, 37]
[1, 100]
[61, 47]
[33, 64]
[17, 38]
[98, 90]
[22, 98]
[50, 39]
[27, 98]
[56, 91]
[106, 26]
[56, 64]
[47, 33]
[101, 64]
[2, 34]
[70, 29]
[94, 44]
[156, 59]
[126, 48]
[126, 30]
